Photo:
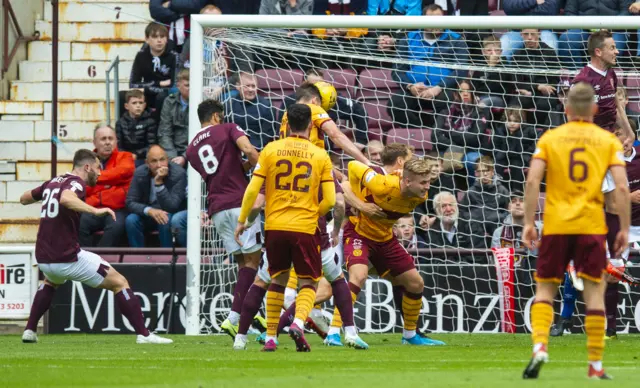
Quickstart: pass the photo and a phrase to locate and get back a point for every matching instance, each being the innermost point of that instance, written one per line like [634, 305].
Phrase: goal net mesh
[474, 102]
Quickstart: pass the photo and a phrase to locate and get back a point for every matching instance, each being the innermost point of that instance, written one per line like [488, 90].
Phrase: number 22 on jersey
[302, 172]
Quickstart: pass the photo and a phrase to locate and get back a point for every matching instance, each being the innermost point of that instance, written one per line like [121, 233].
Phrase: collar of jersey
[299, 136]
[602, 73]
[631, 157]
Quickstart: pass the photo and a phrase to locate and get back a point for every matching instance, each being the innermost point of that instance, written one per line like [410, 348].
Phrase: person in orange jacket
[110, 191]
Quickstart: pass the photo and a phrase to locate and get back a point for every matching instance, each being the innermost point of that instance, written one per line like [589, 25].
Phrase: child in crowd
[136, 130]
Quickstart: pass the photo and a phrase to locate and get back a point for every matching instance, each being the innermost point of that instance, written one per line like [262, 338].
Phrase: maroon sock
[611, 305]
[287, 318]
[342, 301]
[246, 276]
[252, 302]
[129, 306]
[40, 305]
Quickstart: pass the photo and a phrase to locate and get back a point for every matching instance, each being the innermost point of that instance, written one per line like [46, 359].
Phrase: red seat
[419, 138]
[111, 258]
[278, 82]
[633, 88]
[151, 259]
[377, 114]
[374, 83]
[342, 80]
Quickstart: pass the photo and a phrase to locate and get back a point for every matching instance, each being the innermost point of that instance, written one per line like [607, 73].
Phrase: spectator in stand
[485, 204]
[173, 131]
[110, 190]
[447, 231]
[374, 151]
[493, 88]
[458, 128]
[394, 7]
[572, 44]
[239, 7]
[405, 231]
[156, 200]
[557, 117]
[425, 87]
[621, 95]
[514, 142]
[512, 40]
[136, 130]
[286, 7]
[154, 67]
[509, 234]
[345, 109]
[536, 90]
[252, 112]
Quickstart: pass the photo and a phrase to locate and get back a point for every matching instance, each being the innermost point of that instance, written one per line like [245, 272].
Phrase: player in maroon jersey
[600, 75]
[216, 153]
[58, 252]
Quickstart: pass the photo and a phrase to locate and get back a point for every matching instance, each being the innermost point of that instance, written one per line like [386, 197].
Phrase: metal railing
[9, 17]
[115, 67]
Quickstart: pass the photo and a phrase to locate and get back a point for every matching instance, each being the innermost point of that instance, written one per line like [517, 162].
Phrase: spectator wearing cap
[110, 191]
[345, 110]
[156, 200]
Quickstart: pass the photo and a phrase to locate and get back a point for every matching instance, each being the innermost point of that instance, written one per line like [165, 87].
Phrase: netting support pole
[194, 196]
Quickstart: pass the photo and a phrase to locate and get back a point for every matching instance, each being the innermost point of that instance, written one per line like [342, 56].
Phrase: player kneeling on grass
[368, 240]
[58, 252]
[293, 170]
[574, 158]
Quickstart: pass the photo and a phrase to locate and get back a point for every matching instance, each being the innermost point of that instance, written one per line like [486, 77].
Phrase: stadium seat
[111, 258]
[419, 138]
[343, 80]
[377, 114]
[278, 82]
[151, 259]
[633, 88]
[376, 84]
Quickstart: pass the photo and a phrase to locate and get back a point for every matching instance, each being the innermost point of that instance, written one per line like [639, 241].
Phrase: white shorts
[330, 270]
[225, 222]
[90, 269]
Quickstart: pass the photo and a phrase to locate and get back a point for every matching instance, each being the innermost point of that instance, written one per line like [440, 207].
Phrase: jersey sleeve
[617, 154]
[236, 132]
[607, 184]
[327, 168]
[262, 167]
[541, 149]
[378, 184]
[283, 126]
[37, 192]
[319, 116]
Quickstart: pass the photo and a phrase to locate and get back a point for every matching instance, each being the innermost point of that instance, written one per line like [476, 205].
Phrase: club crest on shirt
[357, 244]
[75, 186]
[357, 252]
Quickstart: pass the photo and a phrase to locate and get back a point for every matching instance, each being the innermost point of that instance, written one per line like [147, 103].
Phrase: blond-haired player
[574, 158]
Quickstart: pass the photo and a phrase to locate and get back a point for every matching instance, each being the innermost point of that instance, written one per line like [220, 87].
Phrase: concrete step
[16, 211]
[18, 231]
[7, 167]
[39, 171]
[94, 32]
[16, 130]
[67, 130]
[40, 151]
[41, 51]
[72, 71]
[67, 91]
[21, 117]
[99, 12]
[15, 189]
[104, 51]
[21, 108]
[13, 151]
[80, 111]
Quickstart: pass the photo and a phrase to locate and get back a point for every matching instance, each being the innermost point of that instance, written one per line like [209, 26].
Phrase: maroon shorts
[386, 257]
[285, 248]
[587, 251]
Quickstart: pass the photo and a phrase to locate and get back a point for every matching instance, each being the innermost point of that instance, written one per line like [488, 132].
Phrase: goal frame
[200, 22]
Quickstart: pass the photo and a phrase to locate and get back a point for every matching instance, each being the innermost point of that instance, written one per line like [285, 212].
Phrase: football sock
[293, 280]
[568, 298]
[250, 307]
[304, 304]
[594, 327]
[343, 301]
[611, 305]
[541, 318]
[411, 305]
[41, 303]
[129, 306]
[246, 276]
[337, 317]
[275, 301]
[286, 319]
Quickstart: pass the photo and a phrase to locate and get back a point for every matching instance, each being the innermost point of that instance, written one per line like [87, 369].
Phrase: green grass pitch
[469, 360]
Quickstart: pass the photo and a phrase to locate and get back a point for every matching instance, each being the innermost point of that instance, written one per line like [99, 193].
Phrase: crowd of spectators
[483, 124]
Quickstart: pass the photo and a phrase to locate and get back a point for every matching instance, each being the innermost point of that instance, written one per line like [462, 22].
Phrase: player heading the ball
[574, 158]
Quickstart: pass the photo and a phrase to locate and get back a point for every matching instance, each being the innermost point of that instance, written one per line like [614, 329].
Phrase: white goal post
[198, 68]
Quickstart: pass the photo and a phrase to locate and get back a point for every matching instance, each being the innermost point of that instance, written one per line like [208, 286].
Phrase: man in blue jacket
[426, 87]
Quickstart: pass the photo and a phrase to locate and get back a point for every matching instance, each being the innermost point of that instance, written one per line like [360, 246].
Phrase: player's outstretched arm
[70, 200]
[341, 140]
[531, 194]
[623, 207]
[27, 198]
[360, 173]
[328, 197]
[623, 121]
